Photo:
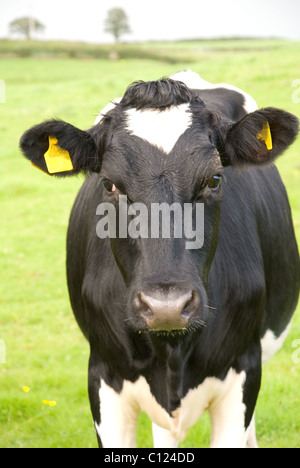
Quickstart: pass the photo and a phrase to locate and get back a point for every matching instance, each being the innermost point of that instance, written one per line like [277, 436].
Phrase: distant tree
[117, 23]
[26, 26]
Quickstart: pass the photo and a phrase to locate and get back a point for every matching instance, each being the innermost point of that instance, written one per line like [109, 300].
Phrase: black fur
[81, 146]
[241, 142]
[249, 248]
[159, 95]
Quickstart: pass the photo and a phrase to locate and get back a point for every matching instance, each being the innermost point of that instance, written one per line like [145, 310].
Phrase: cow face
[162, 149]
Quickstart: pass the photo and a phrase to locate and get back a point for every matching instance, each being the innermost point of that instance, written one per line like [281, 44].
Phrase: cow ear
[57, 147]
[259, 137]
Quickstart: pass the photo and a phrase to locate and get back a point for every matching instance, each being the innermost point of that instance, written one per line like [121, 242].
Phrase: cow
[175, 331]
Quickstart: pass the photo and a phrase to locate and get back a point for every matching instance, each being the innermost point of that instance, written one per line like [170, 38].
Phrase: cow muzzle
[167, 310]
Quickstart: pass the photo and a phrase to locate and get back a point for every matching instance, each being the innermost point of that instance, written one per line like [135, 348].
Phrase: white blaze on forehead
[160, 128]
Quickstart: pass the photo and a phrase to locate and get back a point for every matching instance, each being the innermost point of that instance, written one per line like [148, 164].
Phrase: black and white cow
[176, 331]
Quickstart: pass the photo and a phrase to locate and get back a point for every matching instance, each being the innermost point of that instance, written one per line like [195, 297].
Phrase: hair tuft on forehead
[158, 95]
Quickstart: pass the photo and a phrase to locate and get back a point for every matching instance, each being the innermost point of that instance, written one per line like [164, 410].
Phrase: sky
[159, 19]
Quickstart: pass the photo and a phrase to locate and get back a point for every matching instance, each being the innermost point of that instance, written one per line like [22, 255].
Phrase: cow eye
[215, 182]
[108, 185]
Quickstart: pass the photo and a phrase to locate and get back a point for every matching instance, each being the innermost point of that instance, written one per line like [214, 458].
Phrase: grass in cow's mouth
[171, 333]
[180, 332]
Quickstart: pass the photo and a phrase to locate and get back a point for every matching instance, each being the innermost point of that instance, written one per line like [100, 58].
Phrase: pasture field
[46, 355]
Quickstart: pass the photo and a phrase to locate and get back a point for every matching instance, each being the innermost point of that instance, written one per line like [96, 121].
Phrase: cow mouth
[177, 332]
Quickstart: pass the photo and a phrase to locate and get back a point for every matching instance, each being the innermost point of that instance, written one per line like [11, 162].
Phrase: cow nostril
[190, 305]
[186, 311]
[143, 307]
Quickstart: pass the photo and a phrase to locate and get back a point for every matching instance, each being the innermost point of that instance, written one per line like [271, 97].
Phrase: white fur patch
[106, 109]
[270, 343]
[160, 128]
[224, 399]
[194, 81]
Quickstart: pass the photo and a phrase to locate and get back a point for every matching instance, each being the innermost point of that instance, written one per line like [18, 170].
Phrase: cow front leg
[162, 438]
[232, 410]
[252, 440]
[119, 416]
[115, 417]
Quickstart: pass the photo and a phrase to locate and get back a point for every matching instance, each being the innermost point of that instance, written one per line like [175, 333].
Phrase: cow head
[161, 145]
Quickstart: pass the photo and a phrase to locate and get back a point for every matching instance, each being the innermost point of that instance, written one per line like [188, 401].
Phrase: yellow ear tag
[57, 159]
[37, 167]
[265, 135]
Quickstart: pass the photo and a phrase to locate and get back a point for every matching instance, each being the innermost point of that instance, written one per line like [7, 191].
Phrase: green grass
[188, 51]
[44, 348]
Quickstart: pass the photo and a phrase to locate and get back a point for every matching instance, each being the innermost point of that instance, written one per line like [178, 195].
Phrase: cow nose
[166, 311]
